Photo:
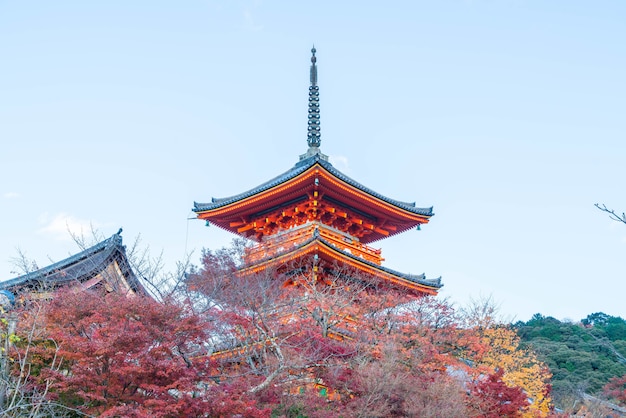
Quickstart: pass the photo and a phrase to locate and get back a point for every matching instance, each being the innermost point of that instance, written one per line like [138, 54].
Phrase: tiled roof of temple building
[104, 262]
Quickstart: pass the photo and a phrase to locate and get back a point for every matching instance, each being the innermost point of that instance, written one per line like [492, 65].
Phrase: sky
[506, 116]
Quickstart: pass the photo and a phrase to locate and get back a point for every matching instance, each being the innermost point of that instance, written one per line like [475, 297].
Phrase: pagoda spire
[313, 137]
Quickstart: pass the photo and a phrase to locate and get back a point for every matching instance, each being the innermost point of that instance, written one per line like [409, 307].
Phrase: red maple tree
[616, 389]
[492, 398]
[127, 356]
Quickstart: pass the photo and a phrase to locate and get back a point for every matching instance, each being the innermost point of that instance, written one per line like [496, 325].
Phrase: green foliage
[582, 357]
[596, 319]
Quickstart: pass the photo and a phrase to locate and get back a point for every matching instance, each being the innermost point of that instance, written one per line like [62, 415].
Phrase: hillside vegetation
[583, 357]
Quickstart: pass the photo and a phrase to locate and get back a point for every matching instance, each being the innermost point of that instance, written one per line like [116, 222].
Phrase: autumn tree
[493, 398]
[616, 389]
[28, 355]
[519, 366]
[399, 380]
[273, 328]
[331, 300]
[129, 356]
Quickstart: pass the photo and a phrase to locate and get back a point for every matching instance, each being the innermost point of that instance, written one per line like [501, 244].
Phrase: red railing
[285, 240]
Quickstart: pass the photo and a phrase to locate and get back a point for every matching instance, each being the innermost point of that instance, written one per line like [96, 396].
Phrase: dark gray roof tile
[415, 278]
[81, 266]
[299, 168]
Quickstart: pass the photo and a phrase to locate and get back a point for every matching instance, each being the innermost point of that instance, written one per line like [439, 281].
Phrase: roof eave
[421, 283]
[300, 168]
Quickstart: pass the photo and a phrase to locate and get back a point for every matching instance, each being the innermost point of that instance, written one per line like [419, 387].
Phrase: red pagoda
[314, 210]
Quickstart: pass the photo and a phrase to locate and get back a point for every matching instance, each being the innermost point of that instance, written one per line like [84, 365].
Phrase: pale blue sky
[506, 116]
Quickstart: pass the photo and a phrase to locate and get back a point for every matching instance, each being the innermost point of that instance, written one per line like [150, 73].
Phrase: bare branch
[22, 263]
[83, 242]
[616, 217]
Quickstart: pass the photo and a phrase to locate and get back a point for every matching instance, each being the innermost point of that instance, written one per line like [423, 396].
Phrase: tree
[519, 366]
[128, 356]
[616, 389]
[494, 398]
[596, 319]
[24, 390]
[331, 301]
[397, 385]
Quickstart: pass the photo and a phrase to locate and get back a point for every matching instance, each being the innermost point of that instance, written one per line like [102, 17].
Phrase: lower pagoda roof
[101, 259]
[319, 245]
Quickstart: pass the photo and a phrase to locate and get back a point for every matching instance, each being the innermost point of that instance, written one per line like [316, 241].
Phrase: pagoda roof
[300, 168]
[81, 267]
[318, 244]
[313, 179]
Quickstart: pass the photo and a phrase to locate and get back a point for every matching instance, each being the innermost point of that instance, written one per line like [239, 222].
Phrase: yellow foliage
[521, 367]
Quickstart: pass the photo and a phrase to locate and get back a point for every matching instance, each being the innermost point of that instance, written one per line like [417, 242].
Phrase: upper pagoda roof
[294, 172]
[106, 260]
[313, 185]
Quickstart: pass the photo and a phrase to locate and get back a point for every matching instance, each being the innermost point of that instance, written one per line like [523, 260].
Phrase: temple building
[314, 210]
[102, 266]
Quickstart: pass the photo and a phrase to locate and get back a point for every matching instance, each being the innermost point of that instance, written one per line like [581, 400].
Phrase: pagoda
[314, 210]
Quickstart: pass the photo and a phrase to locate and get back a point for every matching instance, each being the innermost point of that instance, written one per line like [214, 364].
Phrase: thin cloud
[11, 195]
[340, 162]
[250, 22]
[64, 226]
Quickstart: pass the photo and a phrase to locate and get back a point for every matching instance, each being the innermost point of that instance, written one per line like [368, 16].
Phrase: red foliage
[616, 389]
[492, 398]
[297, 344]
[288, 345]
[127, 356]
